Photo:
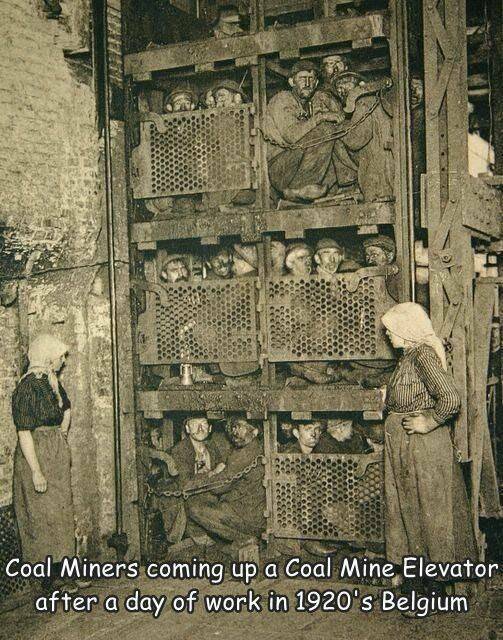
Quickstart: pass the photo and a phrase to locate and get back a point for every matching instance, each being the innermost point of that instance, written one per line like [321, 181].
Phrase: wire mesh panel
[211, 321]
[328, 497]
[193, 152]
[313, 318]
[9, 548]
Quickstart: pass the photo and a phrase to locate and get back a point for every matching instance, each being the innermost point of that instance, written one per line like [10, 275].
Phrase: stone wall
[52, 211]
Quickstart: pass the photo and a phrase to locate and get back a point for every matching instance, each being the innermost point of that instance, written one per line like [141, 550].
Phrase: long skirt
[427, 509]
[45, 520]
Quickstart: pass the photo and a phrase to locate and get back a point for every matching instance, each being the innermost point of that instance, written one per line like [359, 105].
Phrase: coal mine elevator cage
[259, 324]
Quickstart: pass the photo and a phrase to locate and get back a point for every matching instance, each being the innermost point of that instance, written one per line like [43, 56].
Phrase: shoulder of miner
[184, 456]
[324, 101]
[219, 448]
[285, 121]
[291, 447]
[238, 460]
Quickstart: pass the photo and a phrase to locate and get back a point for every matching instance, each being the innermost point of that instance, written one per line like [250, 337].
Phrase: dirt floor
[484, 621]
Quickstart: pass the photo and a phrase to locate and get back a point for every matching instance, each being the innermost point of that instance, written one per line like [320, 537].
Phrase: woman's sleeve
[25, 407]
[439, 383]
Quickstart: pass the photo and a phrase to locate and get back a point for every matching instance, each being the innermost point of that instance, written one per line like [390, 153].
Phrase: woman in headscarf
[42, 485]
[427, 511]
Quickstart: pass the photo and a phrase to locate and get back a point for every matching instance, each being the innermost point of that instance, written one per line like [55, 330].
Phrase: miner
[219, 264]
[306, 437]
[278, 254]
[182, 97]
[174, 269]
[330, 259]
[234, 511]
[195, 456]
[380, 250]
[244, 260]
[331, 67]
[343, 436]
[305, 161]
[227, 23]
[299, 259]
[228, 93]
[369, 139]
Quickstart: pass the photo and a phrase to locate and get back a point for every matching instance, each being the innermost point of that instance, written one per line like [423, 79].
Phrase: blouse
[34, 403]
[419, 382]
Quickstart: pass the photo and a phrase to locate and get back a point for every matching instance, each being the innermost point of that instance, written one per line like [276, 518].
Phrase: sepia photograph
[251, 293]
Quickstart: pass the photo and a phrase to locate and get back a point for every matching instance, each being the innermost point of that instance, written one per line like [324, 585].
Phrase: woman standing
[42, 484]
[427, 511]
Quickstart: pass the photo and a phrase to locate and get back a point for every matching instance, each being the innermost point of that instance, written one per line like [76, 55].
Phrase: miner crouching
[234, 511]
[305, 162]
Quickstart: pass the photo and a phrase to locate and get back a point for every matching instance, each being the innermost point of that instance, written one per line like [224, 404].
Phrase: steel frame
[444, 215]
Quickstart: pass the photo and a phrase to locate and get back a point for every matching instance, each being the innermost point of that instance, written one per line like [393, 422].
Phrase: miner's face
[242, 433]
[332, 66]
[377, 256]
[340, 429]
[308, 434]
[329, 259]
[278, 251]
[416, 92]
[209, 99]
[300, 263]
[227, 98]
[344, 86]
[180, 102]
[304, 84]
[174, 271]
[198, 429]
[221, 264]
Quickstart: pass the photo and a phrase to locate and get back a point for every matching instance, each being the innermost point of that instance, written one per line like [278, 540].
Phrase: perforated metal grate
[205, 322]
[9, 548]
[314, 318]
[200, 151]
[322, 496]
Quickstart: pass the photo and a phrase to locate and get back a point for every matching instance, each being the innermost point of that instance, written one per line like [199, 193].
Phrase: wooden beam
[307, 35]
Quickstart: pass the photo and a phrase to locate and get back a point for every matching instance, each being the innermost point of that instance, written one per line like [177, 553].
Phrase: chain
[336, 136]
[186, 493]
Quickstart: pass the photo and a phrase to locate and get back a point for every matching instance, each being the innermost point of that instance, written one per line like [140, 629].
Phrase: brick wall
[51, 202]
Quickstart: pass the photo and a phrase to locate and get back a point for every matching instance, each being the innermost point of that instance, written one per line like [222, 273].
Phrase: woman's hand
[419, 423]
[39, 481]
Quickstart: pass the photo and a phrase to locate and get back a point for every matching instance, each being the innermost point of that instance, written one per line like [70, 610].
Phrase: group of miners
[220, 474]
[326, 259]
[329, 135]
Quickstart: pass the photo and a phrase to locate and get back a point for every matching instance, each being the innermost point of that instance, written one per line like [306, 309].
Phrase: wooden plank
[312, 34]
[314, 398]
[250, 224]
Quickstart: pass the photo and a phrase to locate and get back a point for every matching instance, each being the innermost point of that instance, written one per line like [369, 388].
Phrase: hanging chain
[336, 136]
[217, 484]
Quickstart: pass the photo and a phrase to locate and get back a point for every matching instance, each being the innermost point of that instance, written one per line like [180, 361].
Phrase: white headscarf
[410, 321]
[42, 353]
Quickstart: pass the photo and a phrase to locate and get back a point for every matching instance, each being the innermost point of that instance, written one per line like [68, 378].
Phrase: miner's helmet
[385, 242]
[328, 243]
[303, 65]
[230, 85]
[346, 75]
[182, 88]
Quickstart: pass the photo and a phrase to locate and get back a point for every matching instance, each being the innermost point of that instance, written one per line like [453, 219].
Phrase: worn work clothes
[173, 510]
[354, 444]
[288, 123]
[371, 144]
[235, 511]
[427, 511]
